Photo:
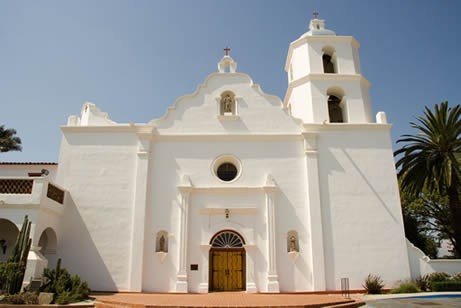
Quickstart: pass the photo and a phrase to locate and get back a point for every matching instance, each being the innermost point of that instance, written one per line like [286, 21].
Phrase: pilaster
[250, 274]
[272, 277]
[181, 277]
[315, 211]
[139, 213]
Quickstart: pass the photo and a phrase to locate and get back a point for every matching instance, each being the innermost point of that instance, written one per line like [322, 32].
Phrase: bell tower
[324, 80]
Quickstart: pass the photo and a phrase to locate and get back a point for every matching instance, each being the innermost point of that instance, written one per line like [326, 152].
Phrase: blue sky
[135, 58]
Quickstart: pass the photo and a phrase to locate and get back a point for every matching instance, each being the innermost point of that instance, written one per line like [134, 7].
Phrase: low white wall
[420, 264]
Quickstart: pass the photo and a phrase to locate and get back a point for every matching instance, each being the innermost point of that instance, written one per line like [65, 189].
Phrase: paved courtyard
[223, 299]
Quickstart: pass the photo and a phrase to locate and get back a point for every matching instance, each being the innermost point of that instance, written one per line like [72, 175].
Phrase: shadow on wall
[80, 254]
[370, 186]
[340, 161]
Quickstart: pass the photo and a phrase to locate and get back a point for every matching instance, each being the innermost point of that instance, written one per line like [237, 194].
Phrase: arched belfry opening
[329, 60]
[336, 105]
[227, 262]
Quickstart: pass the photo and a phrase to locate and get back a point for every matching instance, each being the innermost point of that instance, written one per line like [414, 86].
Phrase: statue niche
[161, 242]
[292, 241]
[227, 103]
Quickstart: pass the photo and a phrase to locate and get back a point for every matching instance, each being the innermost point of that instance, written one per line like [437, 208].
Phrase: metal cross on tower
[316, 15]
[226, 50]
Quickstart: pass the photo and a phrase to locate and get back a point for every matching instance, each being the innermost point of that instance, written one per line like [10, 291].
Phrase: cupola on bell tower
[324, 80]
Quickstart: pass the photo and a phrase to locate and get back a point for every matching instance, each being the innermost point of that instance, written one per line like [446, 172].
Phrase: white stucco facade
[311, 200]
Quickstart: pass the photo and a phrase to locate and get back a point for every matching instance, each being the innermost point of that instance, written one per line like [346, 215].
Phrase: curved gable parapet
[200, 88]
[91, 115]
[226, 103]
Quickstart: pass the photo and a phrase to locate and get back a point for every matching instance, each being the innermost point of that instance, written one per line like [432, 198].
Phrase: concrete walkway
[222, 299]
[412, 300]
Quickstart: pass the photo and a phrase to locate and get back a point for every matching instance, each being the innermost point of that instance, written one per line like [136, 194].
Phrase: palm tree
[8, 140]
[431, 161]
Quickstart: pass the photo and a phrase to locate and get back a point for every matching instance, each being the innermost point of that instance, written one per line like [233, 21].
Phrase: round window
[226, 172]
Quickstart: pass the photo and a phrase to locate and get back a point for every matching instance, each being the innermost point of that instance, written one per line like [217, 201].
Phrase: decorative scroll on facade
[55, 193]
[16, 186]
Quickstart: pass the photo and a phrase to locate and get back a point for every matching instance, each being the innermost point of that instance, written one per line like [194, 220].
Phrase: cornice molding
[341, 127]
[326, 77]
[326, 39]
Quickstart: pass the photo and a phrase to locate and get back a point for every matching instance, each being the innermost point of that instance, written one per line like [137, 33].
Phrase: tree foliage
[429, 163]
[8, 140]
[421, 225]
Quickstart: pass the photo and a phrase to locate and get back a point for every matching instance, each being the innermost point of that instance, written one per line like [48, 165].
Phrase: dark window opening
[328, 66]
[227, 172]
[334, 109]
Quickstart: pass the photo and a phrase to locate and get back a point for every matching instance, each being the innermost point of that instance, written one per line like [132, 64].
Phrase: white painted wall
[420, 264]
[362, 221]
[97, 169]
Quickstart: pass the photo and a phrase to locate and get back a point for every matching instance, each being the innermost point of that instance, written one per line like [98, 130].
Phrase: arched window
[227, 239]
[329, 60]
[227, 105]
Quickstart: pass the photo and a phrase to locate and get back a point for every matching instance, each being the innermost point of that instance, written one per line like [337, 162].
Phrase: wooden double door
[227, 269]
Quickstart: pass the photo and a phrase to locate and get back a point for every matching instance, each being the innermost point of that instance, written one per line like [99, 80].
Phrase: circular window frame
[229, 159]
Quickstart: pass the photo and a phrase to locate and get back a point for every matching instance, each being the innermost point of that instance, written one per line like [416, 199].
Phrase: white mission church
[232, 189]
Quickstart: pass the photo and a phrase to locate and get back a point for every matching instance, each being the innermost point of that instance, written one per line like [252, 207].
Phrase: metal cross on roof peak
[316, 14]
[226, 50]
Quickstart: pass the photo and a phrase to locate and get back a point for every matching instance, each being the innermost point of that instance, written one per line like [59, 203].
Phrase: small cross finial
[226, 50]
[316, 14]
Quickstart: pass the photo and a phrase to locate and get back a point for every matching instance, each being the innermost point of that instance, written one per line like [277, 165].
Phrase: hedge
[448, 285]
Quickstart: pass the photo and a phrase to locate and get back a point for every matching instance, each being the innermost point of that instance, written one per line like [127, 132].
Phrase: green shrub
[26, 298]
[66, 297]
[9, 273]
[373, 284]
[407, 287]
[422, 284]
[435, 277]
[449, 285]
[68, 289]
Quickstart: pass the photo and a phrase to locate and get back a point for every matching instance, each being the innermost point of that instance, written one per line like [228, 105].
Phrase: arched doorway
[47, 244]
[227, 262]
[8, 235]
